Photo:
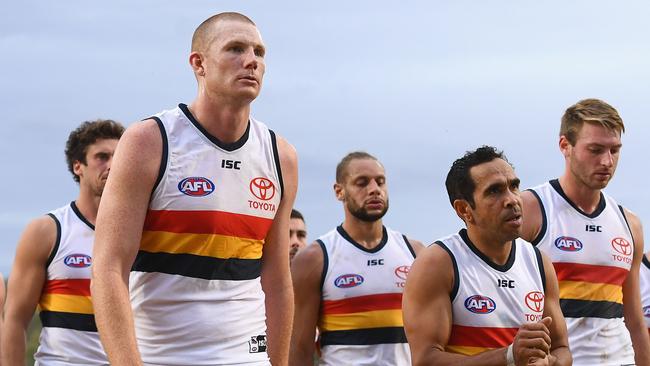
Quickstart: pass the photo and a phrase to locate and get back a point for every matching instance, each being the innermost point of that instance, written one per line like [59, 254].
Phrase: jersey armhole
[55, 248]
[408, 245]
[325, 263]
[276, 158]
[165, 154]
[456, 285]
[542, 230]
[540, 264]
[626, 222]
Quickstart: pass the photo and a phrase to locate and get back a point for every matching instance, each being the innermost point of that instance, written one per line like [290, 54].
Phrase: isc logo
[568, 244]
[479, 304]
[78, 260]
[196, 186]
[348, 280]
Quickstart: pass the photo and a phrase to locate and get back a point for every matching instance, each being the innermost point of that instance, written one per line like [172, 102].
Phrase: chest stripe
[363, 303]
[66, 303]
[82, 322]
[590, 291]
[208, 222]
[590, 273]
[75, 286]
[207, 245]
[595, 309]
[466, 350]
[362, 320]
[195, 266]
[362, 337]
[485, 337]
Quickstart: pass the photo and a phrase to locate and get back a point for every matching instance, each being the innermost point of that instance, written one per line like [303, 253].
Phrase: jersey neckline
[231, 146]
[646, 261]
[81, 217]
[602, 203]
[382, 242]
[499, 267]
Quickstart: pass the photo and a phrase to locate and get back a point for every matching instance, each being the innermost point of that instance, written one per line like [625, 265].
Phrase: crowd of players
[185, 260]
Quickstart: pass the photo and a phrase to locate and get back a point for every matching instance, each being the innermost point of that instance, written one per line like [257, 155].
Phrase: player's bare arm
[276, 278]
[560, 354]
[28, 275]
[428, 318]
[119, 229]
[306, 273]
[417, 245]
[632, 311]
[532, 216]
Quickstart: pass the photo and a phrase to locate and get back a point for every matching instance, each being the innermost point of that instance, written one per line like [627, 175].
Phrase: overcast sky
[414, 83]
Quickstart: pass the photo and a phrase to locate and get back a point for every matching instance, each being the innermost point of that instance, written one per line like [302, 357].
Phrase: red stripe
[208, 222]
[363, 303]
[481, 336]
[590, 273]
[79, 286]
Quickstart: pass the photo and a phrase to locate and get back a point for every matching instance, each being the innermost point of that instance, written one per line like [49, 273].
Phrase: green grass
[33, 332]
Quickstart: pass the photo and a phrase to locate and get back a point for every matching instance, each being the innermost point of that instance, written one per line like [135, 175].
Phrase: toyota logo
[262, 188]
[402, 272]
[622, 246]
[535, 301]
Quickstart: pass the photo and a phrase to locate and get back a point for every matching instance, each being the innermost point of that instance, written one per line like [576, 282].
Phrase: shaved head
[203, 35]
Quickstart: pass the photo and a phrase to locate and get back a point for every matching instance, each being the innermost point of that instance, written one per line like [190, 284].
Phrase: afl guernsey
[645, 289]
[69, 335]
[489, 302]
[592, 256]
[195, 283]
[361, 311]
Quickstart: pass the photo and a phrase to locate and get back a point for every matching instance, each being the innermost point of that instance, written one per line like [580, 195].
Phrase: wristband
[510, 356]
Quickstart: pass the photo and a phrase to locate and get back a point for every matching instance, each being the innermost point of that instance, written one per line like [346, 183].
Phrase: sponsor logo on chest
[534, 301]
[263, 190]
[479, 304]
[348, 280]
[401, 273]
[568, 244]
[622, 250]
[196, 186]
[78, 260]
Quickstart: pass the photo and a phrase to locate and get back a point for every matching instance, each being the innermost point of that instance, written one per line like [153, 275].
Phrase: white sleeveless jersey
[69, 335]
[645, 289]
[195, 284]
[490, 301]
[592, 256]
[361, 311]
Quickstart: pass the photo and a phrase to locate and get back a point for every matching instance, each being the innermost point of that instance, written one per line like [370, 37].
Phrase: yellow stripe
[466, 350]
[66, 303]
[207, 245]
[578, 290]
[362, 320]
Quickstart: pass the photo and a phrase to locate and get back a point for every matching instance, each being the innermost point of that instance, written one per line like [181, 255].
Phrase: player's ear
[338, 191]
[463, 210]
[196, 62]
[565, 146]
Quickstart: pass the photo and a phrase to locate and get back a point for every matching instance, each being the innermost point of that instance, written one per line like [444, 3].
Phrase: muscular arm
[532, 216]
[558, 331]
[632, 299]
[119, 229]
[427, 316]
[28, 276]
[306, 270]
[276, 278]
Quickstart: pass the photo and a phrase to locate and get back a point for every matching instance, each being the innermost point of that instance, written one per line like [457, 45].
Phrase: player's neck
[587, 199]
[88, 204]
[225, 121]
[367, 234]
[496, 249]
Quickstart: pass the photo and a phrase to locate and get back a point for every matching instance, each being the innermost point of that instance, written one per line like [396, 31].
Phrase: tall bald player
[192, 241]
[349, 282]
[53, 261]
[595, 244]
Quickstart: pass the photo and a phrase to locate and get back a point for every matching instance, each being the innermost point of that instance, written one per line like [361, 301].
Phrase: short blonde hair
[589, 111]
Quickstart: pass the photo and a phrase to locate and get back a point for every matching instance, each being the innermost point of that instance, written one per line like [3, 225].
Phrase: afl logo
[622, 246]
[348, 280]
[568, 244]
[479, 304]
[535, 301]
[262, 188]
[646, 311]
[196, 186]
[402, 272]
[78, 260]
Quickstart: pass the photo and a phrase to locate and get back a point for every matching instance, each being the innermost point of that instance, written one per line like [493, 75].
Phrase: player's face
[297, 236]
[498, 203]
[593, 159]
[364, 193]
[94, 173]
[234, 61]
